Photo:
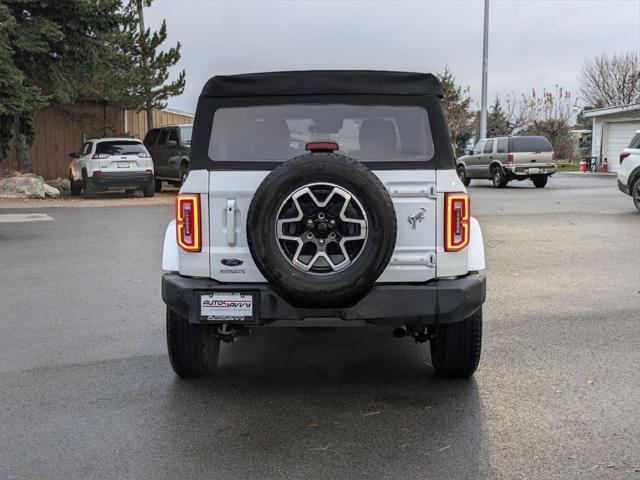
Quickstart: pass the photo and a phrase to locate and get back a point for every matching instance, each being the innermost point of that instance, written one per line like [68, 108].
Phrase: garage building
[613, 129]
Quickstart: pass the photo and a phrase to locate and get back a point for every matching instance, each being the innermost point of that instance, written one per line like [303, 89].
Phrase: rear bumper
[439, 301]
[522, 171]
[623, 188]
[121, 179]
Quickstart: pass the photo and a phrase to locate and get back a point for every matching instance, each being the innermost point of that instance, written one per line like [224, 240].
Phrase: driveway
[86, 390]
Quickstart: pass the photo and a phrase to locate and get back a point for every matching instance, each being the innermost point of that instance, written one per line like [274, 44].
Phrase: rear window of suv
[120, 147]
[530, 144]
[635, 142]
[281, 132]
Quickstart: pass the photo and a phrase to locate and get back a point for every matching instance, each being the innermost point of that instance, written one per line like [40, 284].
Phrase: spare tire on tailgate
[321, 228]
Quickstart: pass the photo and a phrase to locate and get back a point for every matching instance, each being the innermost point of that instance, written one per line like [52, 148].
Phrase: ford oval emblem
[231, 262]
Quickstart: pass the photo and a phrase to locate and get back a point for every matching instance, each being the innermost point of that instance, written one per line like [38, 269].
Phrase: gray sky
[531, 43]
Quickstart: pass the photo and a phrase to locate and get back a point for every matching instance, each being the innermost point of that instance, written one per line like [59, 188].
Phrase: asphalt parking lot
[86, 390]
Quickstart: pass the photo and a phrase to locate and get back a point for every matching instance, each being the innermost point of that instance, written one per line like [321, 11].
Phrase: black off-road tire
[462, 175]
[635, 193]
[149, 189]
[338, 288]
[540, 182]
[158, 185]
[74, 186]
[455, 347]
[88, 188]
[498, 177]
[193, 349]
[184, 172]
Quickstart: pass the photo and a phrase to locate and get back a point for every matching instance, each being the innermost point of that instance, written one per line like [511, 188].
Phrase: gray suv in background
[170, 147]
[502, 159]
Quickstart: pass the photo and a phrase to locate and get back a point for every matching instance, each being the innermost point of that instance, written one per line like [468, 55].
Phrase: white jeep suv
[324, 197]
[111, 163]
[629, 171]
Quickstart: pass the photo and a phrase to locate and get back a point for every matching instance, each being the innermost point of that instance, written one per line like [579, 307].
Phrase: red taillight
[553, 156]
[322, 146]
[510, 158]
[456, 221]
[100, 156]
[188, 229]
[624, 155]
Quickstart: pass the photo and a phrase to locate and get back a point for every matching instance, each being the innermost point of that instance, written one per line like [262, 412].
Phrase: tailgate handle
[231, 221]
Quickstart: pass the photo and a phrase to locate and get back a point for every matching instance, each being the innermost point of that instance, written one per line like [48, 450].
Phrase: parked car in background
[503, 159]
[629, 171]
[170, 147]
[111, 163]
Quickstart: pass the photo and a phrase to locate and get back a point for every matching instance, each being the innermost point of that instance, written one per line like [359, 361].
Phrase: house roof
[179, 112]
[323, 82]
[600, 112]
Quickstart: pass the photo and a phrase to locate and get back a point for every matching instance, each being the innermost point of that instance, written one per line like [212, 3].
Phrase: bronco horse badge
[416, 217]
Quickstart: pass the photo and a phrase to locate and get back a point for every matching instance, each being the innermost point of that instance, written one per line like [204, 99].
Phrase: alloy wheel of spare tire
[321, 228]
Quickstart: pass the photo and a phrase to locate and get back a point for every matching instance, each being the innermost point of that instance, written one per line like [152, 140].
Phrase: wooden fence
[60, 131]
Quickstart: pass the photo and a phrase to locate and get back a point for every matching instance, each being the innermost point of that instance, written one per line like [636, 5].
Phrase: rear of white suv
[111, 163]
[629, 170]
[323, 197]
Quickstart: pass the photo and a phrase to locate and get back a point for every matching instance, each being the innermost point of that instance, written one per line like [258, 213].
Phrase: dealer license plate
[226, 306]
[534, 170]
[123, 164]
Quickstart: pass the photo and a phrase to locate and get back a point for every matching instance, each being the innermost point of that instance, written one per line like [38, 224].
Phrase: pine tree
[145, 86]
[497, 122]
[457, 109]
[47, 59]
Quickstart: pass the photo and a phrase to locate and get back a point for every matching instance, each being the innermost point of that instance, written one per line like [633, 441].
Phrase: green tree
[457, 110]
[497, 121]
[51, 52]
[146, 83]
[18, 100]
[59, 51]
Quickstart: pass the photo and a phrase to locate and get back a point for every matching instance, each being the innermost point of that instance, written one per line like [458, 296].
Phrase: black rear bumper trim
[122, 180]
[438, 301]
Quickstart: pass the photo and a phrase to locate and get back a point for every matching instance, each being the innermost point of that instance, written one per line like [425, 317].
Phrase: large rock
[50, 192]
[30, 175]
[62, 184]
[24, 186]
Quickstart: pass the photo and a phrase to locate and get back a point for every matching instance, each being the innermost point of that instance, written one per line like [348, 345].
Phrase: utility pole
[140, 6]
[485, 70]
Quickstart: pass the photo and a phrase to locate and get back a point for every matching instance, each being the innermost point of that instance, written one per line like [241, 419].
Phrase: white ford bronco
[323, 198]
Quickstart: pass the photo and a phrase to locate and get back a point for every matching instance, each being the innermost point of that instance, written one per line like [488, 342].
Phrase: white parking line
[24, 217]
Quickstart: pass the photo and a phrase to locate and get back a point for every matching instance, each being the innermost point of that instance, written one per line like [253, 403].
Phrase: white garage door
[618, 136]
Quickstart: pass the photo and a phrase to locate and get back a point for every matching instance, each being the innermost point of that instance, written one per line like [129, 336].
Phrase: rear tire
[158, 185]
[149, 189]
[193, 349]
[74, 186]
[184, 172]
[635, 193]
[498, 177]
[540, 182]
[455, 347]
[88, 187]
[462, 175]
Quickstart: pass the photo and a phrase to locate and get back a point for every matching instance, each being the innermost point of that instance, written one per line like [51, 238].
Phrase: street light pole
[485, 69]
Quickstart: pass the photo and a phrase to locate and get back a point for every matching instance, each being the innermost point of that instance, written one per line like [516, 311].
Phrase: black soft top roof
[323, 82]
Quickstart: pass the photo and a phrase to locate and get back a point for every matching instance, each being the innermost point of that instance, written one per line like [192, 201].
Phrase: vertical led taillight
[188, 222]
[456, 221]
